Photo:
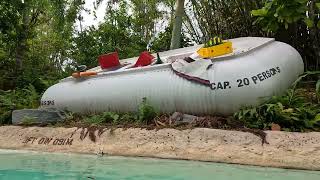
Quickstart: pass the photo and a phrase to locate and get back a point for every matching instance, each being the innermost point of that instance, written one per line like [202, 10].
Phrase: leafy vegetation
[296, 22]
[17, 99]
[297, 110]
[110, 118]
[291, 111]
[145, 114]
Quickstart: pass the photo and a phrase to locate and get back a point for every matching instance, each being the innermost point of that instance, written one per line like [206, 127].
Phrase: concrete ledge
[286, 150]
[36, 116]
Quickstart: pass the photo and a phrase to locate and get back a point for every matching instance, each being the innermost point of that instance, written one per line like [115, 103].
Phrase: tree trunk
[177, 24]
[22, 37]
[314, 33]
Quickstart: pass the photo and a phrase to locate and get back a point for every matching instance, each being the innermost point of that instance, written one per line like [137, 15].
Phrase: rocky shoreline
[284, 149]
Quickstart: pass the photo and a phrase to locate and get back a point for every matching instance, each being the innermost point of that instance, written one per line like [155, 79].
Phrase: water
[18, 165]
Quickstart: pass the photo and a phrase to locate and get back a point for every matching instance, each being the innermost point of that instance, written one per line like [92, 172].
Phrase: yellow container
[214, 51]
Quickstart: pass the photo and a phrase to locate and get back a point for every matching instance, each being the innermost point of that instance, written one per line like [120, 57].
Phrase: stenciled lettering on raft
[47, 103]
[248, 80]
[48, 141]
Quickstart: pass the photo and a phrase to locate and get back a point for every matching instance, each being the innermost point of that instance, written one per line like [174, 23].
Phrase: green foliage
[293, 111]
[17, 99]
[276, 13]
[128, 118]
[106, 38]
[111, 116]
[144, 18]
[146, 112]
[296, 22]
[106, 117]
[95, 119]
[5, 117]
[318, 90]
[290, 111]
[162, 42]
[34, 41]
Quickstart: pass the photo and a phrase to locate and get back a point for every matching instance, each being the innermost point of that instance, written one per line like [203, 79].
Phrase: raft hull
[241, 80]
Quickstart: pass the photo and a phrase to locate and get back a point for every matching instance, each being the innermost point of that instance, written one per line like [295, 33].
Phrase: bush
[291, 112]
[146, 112]
[17, 99]
[94, 119]
[294, 111]
[111, 117]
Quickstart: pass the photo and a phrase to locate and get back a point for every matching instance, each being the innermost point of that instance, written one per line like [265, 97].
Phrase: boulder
[36, 116]
[180, 118]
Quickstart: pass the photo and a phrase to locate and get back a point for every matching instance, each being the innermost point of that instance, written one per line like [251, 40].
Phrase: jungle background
[41, 40]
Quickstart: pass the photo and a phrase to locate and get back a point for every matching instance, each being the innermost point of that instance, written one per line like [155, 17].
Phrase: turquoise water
[17, 165]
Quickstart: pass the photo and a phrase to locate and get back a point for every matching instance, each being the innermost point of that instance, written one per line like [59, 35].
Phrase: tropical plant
[146, 112]
[296, 22]
[292, 111]
[144, 115]
[95, 120]
[17, 99]
[111, 116]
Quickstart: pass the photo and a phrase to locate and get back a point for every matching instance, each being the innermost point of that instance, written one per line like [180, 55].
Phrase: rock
[180, 118]
[176, 116]
[187, 118]
[275, 127]
[36, 116]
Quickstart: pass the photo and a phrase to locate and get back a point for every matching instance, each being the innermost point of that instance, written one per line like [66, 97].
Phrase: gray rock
[180, 118]
[36, 116]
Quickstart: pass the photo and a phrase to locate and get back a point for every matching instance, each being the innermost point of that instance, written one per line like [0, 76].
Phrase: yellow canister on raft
[214, 51]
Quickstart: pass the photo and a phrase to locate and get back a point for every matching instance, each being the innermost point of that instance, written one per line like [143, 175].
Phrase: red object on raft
[145, 59]
[109, 60]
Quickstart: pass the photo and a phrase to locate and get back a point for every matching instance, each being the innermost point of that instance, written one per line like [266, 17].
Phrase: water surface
[23, 165]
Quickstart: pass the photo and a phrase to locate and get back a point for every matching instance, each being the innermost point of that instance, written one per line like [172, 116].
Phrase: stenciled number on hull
[243, 82]
[47, 103]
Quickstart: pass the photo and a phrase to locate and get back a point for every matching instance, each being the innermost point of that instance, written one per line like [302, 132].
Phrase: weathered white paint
[123, 90]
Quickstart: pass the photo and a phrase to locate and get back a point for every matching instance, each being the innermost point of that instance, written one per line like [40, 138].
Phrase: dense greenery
[144, 115]
[297, 110]
[41, 43]
[17, 99]
[296, 22]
